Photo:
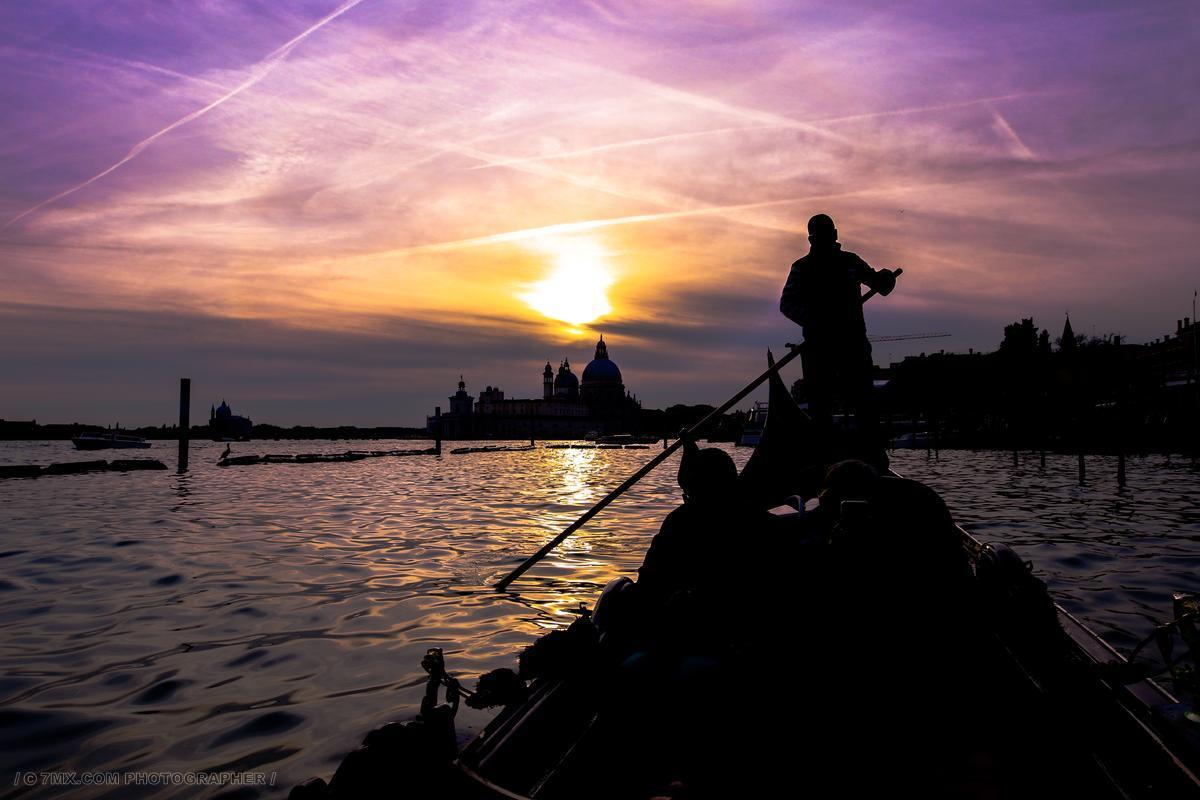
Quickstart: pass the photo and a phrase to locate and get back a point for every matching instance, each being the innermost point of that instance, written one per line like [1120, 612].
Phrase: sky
[325, 212]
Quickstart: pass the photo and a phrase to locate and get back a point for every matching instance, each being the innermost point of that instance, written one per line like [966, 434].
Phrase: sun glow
[575, 290]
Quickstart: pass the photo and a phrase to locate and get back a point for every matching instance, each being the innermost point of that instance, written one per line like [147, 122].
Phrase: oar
[652, 463]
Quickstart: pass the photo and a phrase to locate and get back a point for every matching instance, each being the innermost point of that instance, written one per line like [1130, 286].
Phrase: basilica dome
[601, 369]
[566, 385]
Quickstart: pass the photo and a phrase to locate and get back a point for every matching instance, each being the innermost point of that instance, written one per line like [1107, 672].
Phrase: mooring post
[437, 430]
[928, 436]
[185, 403]
[1082, 470]
[936, 431]
[1121, 468]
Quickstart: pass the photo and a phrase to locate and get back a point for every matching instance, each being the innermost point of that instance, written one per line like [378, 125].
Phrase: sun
[575, 290]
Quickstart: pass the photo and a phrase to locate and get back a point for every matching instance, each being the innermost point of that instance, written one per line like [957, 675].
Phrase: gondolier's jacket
[822, 295]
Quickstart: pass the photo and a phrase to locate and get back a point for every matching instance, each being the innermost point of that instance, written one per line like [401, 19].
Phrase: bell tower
[547, 382]
[460, 401]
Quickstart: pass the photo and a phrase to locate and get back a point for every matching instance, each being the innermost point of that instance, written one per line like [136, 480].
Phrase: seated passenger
[896, 612]
[708, 551]
[701, 595]
[895, 536]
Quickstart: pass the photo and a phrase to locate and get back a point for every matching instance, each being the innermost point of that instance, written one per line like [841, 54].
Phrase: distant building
[568, 407]
[17, 429]
[1174, 361]
[225, 426]
[1067, 342]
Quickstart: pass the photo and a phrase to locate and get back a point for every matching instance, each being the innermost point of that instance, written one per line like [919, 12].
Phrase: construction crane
[903, 337]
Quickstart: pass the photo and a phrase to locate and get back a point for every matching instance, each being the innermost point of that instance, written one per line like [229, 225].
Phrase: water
[263, 618]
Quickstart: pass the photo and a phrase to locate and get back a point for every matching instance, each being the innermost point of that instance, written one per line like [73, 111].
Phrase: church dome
[601, 369]
[566, 385]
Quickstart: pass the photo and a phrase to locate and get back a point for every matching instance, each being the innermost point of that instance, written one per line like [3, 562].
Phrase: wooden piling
[185, 404]
[928, 436]
[437, 429]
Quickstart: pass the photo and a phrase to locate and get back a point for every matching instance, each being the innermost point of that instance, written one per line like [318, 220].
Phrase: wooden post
[935, 431]
[437, 430]
[1121, 469]
[928, 436]
[185, 404]
[1082, 470]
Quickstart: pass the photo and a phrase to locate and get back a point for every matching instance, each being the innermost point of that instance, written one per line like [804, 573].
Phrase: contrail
[649, 140]
[621, 145]
[261, 70]
[1021, 148]
[564, 228]
[90, 59]
[567, 228]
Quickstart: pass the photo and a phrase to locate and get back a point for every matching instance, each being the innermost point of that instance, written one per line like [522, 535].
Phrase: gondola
[1019, 699]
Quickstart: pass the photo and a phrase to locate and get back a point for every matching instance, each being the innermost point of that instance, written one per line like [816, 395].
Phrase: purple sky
[324, 211]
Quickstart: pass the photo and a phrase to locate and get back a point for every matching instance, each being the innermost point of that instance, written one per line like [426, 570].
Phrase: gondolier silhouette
[822, 295]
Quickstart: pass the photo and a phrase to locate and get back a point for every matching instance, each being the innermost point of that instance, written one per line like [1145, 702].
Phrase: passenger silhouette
[691, 555]
[700, 592]
[822, 295]
[895, 607]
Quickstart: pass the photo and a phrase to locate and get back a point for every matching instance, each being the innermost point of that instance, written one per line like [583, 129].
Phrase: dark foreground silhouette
[865, 647]
[861, 645]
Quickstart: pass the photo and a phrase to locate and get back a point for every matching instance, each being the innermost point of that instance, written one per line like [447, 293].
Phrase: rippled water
[263, 618]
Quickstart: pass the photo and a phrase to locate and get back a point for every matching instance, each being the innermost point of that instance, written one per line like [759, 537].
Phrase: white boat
[626, 439]
[753, 429]
[107, 441]
[912, 440]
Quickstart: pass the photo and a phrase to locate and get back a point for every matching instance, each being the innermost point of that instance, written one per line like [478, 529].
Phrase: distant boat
[106, 441]
[912, 440]
[626, 438]
[753, 429]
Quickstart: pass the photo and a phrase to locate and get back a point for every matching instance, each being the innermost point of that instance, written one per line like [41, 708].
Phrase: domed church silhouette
[569, 405]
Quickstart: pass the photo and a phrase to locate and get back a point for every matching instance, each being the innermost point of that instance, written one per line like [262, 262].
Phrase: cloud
[405, 163]
[260, 71]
